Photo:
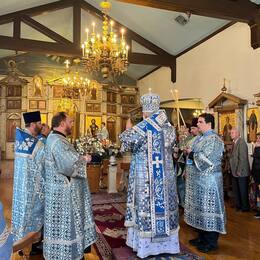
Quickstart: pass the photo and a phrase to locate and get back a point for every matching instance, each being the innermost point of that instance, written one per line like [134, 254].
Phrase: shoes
[257, 215]
[207, 248]
[196, 242]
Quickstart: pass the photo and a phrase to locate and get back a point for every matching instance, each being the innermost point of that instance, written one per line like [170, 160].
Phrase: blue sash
[152, 128]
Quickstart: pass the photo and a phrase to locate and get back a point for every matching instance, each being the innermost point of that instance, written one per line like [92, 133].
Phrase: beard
[37, 129]
[68, 130]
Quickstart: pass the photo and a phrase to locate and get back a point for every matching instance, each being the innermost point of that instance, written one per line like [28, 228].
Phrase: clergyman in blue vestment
[204, 200]
[69, 228]
[152, 203]
[28, 194]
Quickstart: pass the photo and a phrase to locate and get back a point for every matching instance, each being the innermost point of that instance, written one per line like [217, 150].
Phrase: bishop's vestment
[152, 203]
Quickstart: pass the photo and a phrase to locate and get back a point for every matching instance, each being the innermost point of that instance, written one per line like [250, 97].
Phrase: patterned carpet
[103, 197]
[109, 219]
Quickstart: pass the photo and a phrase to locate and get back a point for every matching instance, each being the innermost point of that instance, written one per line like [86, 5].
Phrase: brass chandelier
[105, 53]
[74, 83]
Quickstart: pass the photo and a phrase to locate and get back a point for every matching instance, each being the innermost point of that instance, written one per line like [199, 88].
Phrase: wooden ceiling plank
[241, 11]
[45, 30]
[7, 18]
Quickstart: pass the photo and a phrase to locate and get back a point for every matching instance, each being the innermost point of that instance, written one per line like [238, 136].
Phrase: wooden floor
[241, 242]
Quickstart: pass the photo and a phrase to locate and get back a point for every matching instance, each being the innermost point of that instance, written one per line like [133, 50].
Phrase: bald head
[235, 133]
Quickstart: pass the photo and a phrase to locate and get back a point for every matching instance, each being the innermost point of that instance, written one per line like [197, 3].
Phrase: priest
[28, 194]
[152, 203]
[69, 228]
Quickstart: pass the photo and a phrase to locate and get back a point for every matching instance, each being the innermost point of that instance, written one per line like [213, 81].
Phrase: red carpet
[109, 219]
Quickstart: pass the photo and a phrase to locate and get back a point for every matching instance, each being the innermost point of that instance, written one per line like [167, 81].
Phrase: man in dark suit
[240, 170]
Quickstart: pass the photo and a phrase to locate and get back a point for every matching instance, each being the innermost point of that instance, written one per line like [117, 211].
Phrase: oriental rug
[103, 197]
[109, 219]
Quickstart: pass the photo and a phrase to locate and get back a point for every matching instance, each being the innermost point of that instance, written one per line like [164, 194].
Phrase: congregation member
[240, 169]
[69, 228]
[28, 187]
[204, 203]
[104, 132]
[256, 172]
[152, 202]
[6, 239]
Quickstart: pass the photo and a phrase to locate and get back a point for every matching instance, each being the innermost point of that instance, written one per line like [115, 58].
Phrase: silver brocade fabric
[68, 223]
[28, 188]
[204, 202]
[138, 214]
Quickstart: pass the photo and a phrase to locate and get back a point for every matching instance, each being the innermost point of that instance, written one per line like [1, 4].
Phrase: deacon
[28, 194]
[152, 203]
[204, 202]
[69, 228]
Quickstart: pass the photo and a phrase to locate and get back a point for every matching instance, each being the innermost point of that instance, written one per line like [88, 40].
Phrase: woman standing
[256, 172]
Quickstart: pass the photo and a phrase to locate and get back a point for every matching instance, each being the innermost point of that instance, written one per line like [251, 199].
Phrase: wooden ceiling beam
[27, 45]
[45, 30]
[150, 59]
[7, 18]
[77, 23]
[241, 11]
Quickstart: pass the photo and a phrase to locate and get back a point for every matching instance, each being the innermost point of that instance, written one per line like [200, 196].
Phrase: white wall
[200, 72]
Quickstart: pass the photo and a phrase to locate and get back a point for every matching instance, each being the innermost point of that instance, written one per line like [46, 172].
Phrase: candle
[87, 30]
[83, 49]
[150, 90]
[111, 25]
[93, 25]
[122, 32]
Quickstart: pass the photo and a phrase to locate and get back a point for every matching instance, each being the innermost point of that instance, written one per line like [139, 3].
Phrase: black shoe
[245, 210]
[196, 242]
[206, 248]
[257, 215]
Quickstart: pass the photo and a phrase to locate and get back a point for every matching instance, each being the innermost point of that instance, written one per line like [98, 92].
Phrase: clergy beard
[37, 130]
[68, 130]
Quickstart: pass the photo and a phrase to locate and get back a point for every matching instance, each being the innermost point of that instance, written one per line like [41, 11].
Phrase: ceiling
[155, 25]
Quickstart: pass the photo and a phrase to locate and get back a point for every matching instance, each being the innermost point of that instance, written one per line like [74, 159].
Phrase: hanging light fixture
[105, 52]
[73, 82]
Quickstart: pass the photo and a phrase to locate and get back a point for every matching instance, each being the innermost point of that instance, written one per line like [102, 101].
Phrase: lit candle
[150, 90]
[93, 25]
[83, 49]
[111, 25]
[122, 32]
[127, 49]
[87, 30]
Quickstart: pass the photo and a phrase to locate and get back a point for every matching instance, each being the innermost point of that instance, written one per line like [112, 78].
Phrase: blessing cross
[157, 162]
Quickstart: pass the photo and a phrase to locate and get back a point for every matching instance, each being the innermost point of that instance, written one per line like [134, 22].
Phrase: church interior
[198, 56]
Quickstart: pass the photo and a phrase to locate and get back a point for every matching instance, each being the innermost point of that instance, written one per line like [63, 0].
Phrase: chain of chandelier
[105, 52]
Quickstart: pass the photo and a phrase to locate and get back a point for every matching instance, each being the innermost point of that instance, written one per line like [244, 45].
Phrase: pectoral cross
[157, 162]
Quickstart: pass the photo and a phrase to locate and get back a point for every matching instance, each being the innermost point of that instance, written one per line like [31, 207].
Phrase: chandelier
[75, 85]
[105, 52]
